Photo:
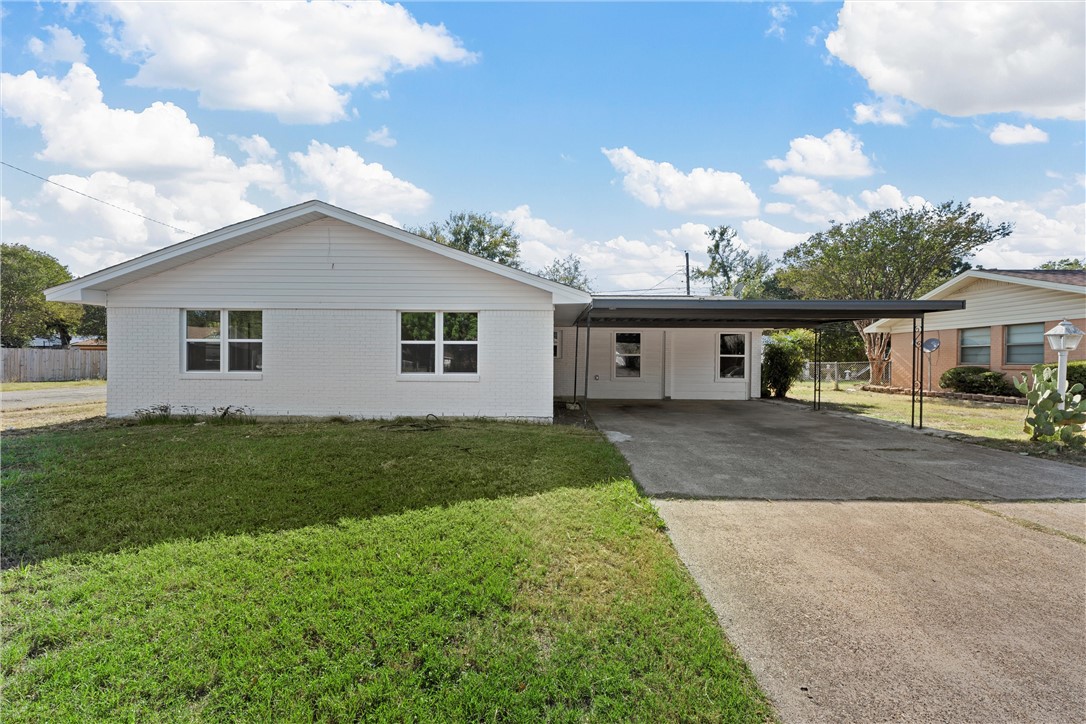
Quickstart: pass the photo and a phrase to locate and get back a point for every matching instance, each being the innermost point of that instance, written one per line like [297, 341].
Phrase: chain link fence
[842, 372]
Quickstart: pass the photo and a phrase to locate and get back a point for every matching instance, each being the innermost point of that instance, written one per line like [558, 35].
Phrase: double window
[223, 340]
[733, 356]
[1025, 344]
[627, 354]
[975, 344]
[427, 337]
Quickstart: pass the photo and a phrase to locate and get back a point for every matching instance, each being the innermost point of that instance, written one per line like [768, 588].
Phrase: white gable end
[329, 264]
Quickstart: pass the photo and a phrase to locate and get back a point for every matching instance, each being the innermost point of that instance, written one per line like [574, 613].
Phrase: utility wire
[94, 198]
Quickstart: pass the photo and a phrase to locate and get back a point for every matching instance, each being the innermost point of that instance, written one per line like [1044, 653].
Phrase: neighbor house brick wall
[948, 355]
[333, 362]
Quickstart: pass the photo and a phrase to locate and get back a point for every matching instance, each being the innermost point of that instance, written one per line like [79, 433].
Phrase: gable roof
[92, 288]
[1073, 281]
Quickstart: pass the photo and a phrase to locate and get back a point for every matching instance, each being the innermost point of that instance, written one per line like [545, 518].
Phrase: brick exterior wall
[333, 362]
[948, 354]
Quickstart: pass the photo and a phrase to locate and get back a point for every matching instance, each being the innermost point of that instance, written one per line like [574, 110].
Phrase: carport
[621, 312]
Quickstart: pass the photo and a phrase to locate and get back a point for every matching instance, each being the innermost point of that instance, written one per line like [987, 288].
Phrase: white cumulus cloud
[247, 55]
[1038, 236]
[883, 112]
[345, 179]
[1006, 134]
[838, 154]
[61, 47]
[702, 191]
[814, 203]
[970, 58]
[381, 137]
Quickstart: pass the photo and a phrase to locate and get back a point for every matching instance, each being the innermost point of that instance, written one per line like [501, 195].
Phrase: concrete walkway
[850, 607]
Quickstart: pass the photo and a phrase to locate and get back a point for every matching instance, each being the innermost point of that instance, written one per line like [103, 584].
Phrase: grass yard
[324, 571]
[987, 423]
[16, 386]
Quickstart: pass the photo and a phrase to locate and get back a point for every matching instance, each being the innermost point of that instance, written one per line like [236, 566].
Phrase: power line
[94, 198]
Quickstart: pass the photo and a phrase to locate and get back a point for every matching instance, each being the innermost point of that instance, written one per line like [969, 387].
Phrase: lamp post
[1063, 338]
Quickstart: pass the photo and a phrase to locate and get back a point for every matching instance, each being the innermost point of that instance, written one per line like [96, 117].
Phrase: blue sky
[616, 132]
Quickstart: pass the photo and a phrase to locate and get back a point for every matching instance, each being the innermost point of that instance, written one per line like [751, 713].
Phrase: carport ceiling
[755, 313]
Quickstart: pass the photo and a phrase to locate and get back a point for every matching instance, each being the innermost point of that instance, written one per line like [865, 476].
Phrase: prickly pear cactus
[1045, 421]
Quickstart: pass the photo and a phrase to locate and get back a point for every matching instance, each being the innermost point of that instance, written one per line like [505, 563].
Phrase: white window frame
[962, 347]
[439, 373]
[224, 340]
[640, 355]
[717, 357]
[558, 344]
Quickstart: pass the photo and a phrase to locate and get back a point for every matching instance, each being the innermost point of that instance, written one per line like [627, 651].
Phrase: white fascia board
[114, 276]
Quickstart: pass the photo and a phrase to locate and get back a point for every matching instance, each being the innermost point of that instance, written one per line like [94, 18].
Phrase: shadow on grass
[112, 487]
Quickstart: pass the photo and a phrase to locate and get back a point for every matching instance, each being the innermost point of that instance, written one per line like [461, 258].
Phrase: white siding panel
[329, 264]
[334, 362]
[988, 302]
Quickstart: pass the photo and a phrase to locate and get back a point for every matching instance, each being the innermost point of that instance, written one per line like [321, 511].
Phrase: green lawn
[988, 423]
[16, 386]
[334, 572]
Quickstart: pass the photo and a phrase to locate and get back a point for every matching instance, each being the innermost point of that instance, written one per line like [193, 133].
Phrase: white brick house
[314, 310]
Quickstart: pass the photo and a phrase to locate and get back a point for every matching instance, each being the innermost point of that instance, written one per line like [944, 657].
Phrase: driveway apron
[853, 601]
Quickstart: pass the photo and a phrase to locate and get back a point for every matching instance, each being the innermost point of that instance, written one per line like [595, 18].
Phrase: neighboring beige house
[1002, 326]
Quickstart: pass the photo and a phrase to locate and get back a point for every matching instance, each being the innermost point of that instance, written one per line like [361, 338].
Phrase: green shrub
[1056, 421]
[976, 380]
[782, 365]
[1076, 372]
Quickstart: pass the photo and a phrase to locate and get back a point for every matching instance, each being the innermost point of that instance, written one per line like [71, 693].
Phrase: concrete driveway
[766, 450]
[849, 605]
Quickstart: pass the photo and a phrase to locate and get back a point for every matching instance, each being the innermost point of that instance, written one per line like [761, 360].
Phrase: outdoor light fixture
[1063, 338]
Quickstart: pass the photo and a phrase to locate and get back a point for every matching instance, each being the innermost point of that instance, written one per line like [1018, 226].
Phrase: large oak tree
[24, 313]
[477, 234]
[888, 254]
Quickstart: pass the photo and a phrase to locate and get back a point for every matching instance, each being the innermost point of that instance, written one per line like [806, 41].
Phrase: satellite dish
[737, 290]
[930, 344]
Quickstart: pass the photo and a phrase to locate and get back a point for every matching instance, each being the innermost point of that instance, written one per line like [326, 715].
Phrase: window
[1025, 344]
[208, 349]
[976, 345]
[426, 337]
[627, 354]
[733, 356]
[557, 343]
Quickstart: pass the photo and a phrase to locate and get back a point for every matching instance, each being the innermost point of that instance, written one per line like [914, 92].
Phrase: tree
[24, 313]
[568, 271]
[888, 254]
[731, 264]
[477, 234]
[1067, 264]
[93, 323]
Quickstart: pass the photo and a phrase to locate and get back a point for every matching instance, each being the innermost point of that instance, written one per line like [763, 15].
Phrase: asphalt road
[27, 399]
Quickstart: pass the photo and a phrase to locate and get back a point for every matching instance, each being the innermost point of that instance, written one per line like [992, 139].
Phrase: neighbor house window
[557, 343]
[628, 354]
[427, 337]
[223, 340]
[976, 345]
[733, 356]
[1025, 344]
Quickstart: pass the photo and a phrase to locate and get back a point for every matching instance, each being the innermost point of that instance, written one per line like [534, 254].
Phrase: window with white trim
[224, 340]
[627, 354]
[426, 337]
[975, 345]
[733, 357]
[1025, 344]
[557, 343]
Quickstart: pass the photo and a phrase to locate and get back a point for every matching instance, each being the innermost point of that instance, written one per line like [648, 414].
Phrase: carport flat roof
[756, 313]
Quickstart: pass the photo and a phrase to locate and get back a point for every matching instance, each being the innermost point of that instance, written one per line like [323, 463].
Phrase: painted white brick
[334, 362]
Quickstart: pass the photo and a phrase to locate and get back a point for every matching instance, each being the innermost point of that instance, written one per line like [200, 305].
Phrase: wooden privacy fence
[51, 365]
